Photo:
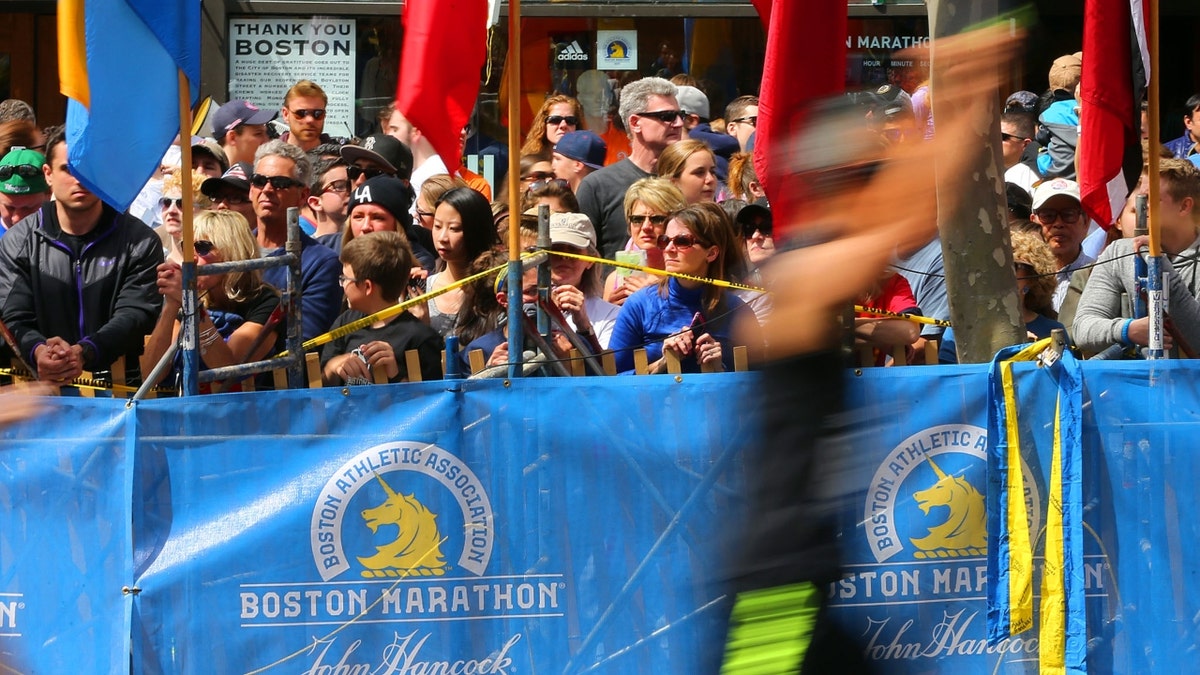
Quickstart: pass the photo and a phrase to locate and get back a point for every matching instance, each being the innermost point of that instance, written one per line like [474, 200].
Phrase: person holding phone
[684, 315]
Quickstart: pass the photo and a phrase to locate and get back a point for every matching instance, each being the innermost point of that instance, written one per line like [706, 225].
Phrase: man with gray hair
[280, 181]
[653, 120]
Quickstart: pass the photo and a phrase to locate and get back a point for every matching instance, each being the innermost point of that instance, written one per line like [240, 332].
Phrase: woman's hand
[571, 301]
[679, 344]
[170, 283]
[499, 355]
[708, 351]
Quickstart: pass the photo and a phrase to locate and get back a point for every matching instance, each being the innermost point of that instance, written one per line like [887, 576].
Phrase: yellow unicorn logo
[416, 550]
[964, 532]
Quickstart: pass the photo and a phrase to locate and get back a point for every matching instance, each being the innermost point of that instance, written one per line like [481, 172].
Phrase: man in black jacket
[78, 280]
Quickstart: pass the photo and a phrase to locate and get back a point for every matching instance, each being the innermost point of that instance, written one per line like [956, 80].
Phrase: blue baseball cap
[583, 146]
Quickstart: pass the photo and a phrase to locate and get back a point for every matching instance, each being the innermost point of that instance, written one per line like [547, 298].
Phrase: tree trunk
[980, 282]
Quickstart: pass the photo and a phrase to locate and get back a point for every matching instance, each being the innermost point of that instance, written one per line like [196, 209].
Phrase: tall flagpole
[513, 62]
[1154, 275]
[189, 329]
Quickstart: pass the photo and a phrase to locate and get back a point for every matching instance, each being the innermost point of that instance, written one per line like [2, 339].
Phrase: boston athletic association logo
[927, 497]
[394, 510]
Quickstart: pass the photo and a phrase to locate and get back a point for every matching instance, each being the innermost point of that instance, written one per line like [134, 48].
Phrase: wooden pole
[1154, 282]
[190, 328]
[515, 333]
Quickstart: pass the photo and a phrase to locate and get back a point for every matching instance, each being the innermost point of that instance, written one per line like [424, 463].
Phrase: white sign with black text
[268, 55]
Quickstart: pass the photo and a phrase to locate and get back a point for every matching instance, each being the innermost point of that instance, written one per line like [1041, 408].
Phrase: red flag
[1114, 74]
[805, 60]
[445, 44]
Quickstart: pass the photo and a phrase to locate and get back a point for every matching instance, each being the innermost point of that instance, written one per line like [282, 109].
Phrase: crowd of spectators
[384, 220]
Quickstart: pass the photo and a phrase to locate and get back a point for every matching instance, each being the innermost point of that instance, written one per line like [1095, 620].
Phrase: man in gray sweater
[1104, 317]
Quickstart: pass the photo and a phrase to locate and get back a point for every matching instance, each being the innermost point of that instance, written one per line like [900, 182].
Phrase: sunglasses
[543, 184]
[751, 120]
[165, 203]
[555, 120]
[204, 247]
[1047, 216]
[538, 176]
[342, 186]
[656, 221]
[353, 172]
[278, 182]
[664, 116]
[22, 170]
[315, 113]
[424, 214]
[763, 228]
[1009, 137]
[232, 198]
[682, 241]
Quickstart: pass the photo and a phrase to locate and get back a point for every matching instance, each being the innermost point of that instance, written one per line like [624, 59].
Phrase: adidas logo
[573, 52]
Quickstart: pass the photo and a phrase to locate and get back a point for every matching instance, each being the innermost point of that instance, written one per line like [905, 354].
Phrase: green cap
[19, 180]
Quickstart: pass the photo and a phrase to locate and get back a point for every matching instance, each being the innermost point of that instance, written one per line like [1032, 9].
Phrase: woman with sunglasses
[687, 317]
[235, 308]
[462, 230]
[648, 205]
[692, 167]
[753, 223]
[170, 207]
[558, 115]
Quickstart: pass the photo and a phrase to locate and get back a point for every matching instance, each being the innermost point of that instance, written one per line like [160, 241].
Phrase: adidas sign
[573, 52]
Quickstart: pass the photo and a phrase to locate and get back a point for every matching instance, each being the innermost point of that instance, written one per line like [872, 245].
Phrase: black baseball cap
[386, 150]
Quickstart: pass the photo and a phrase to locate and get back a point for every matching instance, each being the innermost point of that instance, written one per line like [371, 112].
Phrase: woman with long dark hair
[462, 229]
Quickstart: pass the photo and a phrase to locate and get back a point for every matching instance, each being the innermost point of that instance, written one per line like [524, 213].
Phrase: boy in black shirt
[375, 271]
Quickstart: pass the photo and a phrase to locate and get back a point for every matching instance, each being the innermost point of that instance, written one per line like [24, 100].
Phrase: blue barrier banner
[411, 529]
[566, 525]
[65, 549]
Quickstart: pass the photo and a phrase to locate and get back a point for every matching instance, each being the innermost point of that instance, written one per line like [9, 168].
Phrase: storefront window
[355, 59]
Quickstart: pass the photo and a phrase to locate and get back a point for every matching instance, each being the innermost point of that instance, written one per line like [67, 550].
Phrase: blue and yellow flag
[1062, 626]
[119, 64]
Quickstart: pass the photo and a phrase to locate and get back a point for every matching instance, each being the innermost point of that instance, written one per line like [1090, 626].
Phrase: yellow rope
[662, 273]
[929, 321]
[394, 310]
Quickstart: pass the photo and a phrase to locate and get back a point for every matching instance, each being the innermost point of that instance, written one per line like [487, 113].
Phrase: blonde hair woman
[235, 307]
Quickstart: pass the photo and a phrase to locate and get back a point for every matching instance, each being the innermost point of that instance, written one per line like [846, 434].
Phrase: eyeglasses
[353, 172]
[22, 170]
[656, 221]
[315, 113]
[165, 203]
[664, 116]
[555, 120]
[342, 186]
[424, 214]
[1047, 216]
[278, 182]
[231, 198]
[343, 279]
[752, 120]
[204, 247]
[682, 241]
[1010, 137]
[538, 176]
